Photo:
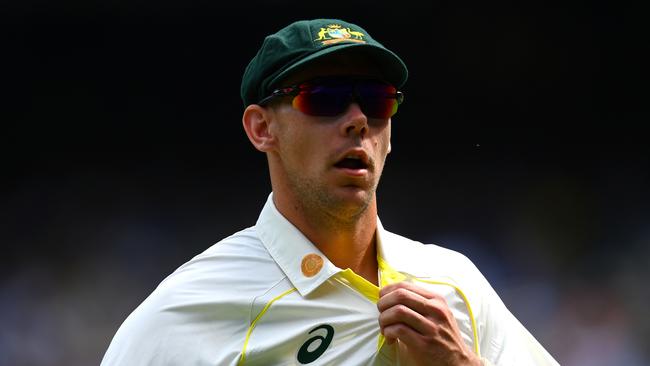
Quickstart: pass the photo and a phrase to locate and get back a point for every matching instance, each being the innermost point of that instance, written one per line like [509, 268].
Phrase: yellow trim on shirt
[259, 316]
[387, 276]
[390, 275]
[469, 309]
[361, 285]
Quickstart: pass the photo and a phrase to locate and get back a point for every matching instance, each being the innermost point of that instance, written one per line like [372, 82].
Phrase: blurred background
[123, 157]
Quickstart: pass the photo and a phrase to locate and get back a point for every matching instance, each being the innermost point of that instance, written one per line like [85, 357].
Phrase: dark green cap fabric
[304, 41]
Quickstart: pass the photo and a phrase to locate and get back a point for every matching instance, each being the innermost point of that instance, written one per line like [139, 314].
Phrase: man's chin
[354, 191]
[352, 199]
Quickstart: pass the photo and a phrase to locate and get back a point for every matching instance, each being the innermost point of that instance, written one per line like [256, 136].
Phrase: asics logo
[315, 346]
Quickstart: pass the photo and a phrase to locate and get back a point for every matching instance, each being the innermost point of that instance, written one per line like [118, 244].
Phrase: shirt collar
[289, 247]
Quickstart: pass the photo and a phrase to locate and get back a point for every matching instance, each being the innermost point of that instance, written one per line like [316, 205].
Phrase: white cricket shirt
[267, 296]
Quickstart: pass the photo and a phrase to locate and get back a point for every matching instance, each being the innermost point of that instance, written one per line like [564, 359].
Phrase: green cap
[303, 42]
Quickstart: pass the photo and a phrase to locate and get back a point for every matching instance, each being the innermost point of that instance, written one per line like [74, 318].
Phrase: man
[317, 279]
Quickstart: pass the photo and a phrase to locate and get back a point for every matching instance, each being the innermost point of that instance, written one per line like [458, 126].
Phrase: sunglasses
[331, 97]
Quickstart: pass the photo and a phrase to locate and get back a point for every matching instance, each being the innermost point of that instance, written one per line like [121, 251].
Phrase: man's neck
[347, 242]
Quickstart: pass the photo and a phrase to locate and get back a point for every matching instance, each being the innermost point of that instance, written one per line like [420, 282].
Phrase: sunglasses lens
[323, 100]
[376, 99]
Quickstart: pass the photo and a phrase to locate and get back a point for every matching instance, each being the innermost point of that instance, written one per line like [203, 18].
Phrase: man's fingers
[433, 306]
[406, 285]
[401, 332]
[423, 322]
[401, 314]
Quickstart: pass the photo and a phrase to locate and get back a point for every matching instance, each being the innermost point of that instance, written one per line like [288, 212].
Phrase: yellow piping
[389, 275]
[469, 310]
[259, 316]
[367, 289]
[360, 284]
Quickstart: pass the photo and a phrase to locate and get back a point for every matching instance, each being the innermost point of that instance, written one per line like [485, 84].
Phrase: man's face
[331, 163]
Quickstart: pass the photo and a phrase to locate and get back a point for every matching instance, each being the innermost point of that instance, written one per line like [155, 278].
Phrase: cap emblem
[335, 33]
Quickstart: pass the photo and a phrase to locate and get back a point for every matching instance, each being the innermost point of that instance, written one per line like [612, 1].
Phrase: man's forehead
[334, 65]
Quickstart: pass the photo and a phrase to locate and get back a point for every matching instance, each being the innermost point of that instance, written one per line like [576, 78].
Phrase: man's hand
[424, 324]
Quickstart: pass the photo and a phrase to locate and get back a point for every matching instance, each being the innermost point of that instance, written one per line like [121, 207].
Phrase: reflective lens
[378, 100]
[332, 96]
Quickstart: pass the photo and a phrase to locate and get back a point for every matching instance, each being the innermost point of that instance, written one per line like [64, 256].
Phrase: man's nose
[355, 121]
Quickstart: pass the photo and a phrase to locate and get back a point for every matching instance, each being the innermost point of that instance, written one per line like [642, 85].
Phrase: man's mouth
[352, 162]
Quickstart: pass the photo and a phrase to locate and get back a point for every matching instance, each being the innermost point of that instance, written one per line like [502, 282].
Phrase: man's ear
[256, 120]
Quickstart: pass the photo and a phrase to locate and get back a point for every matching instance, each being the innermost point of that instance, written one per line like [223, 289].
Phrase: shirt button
[311, 264]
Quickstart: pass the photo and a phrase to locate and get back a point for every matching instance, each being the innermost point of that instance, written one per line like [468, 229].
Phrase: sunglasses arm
[290, 90]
